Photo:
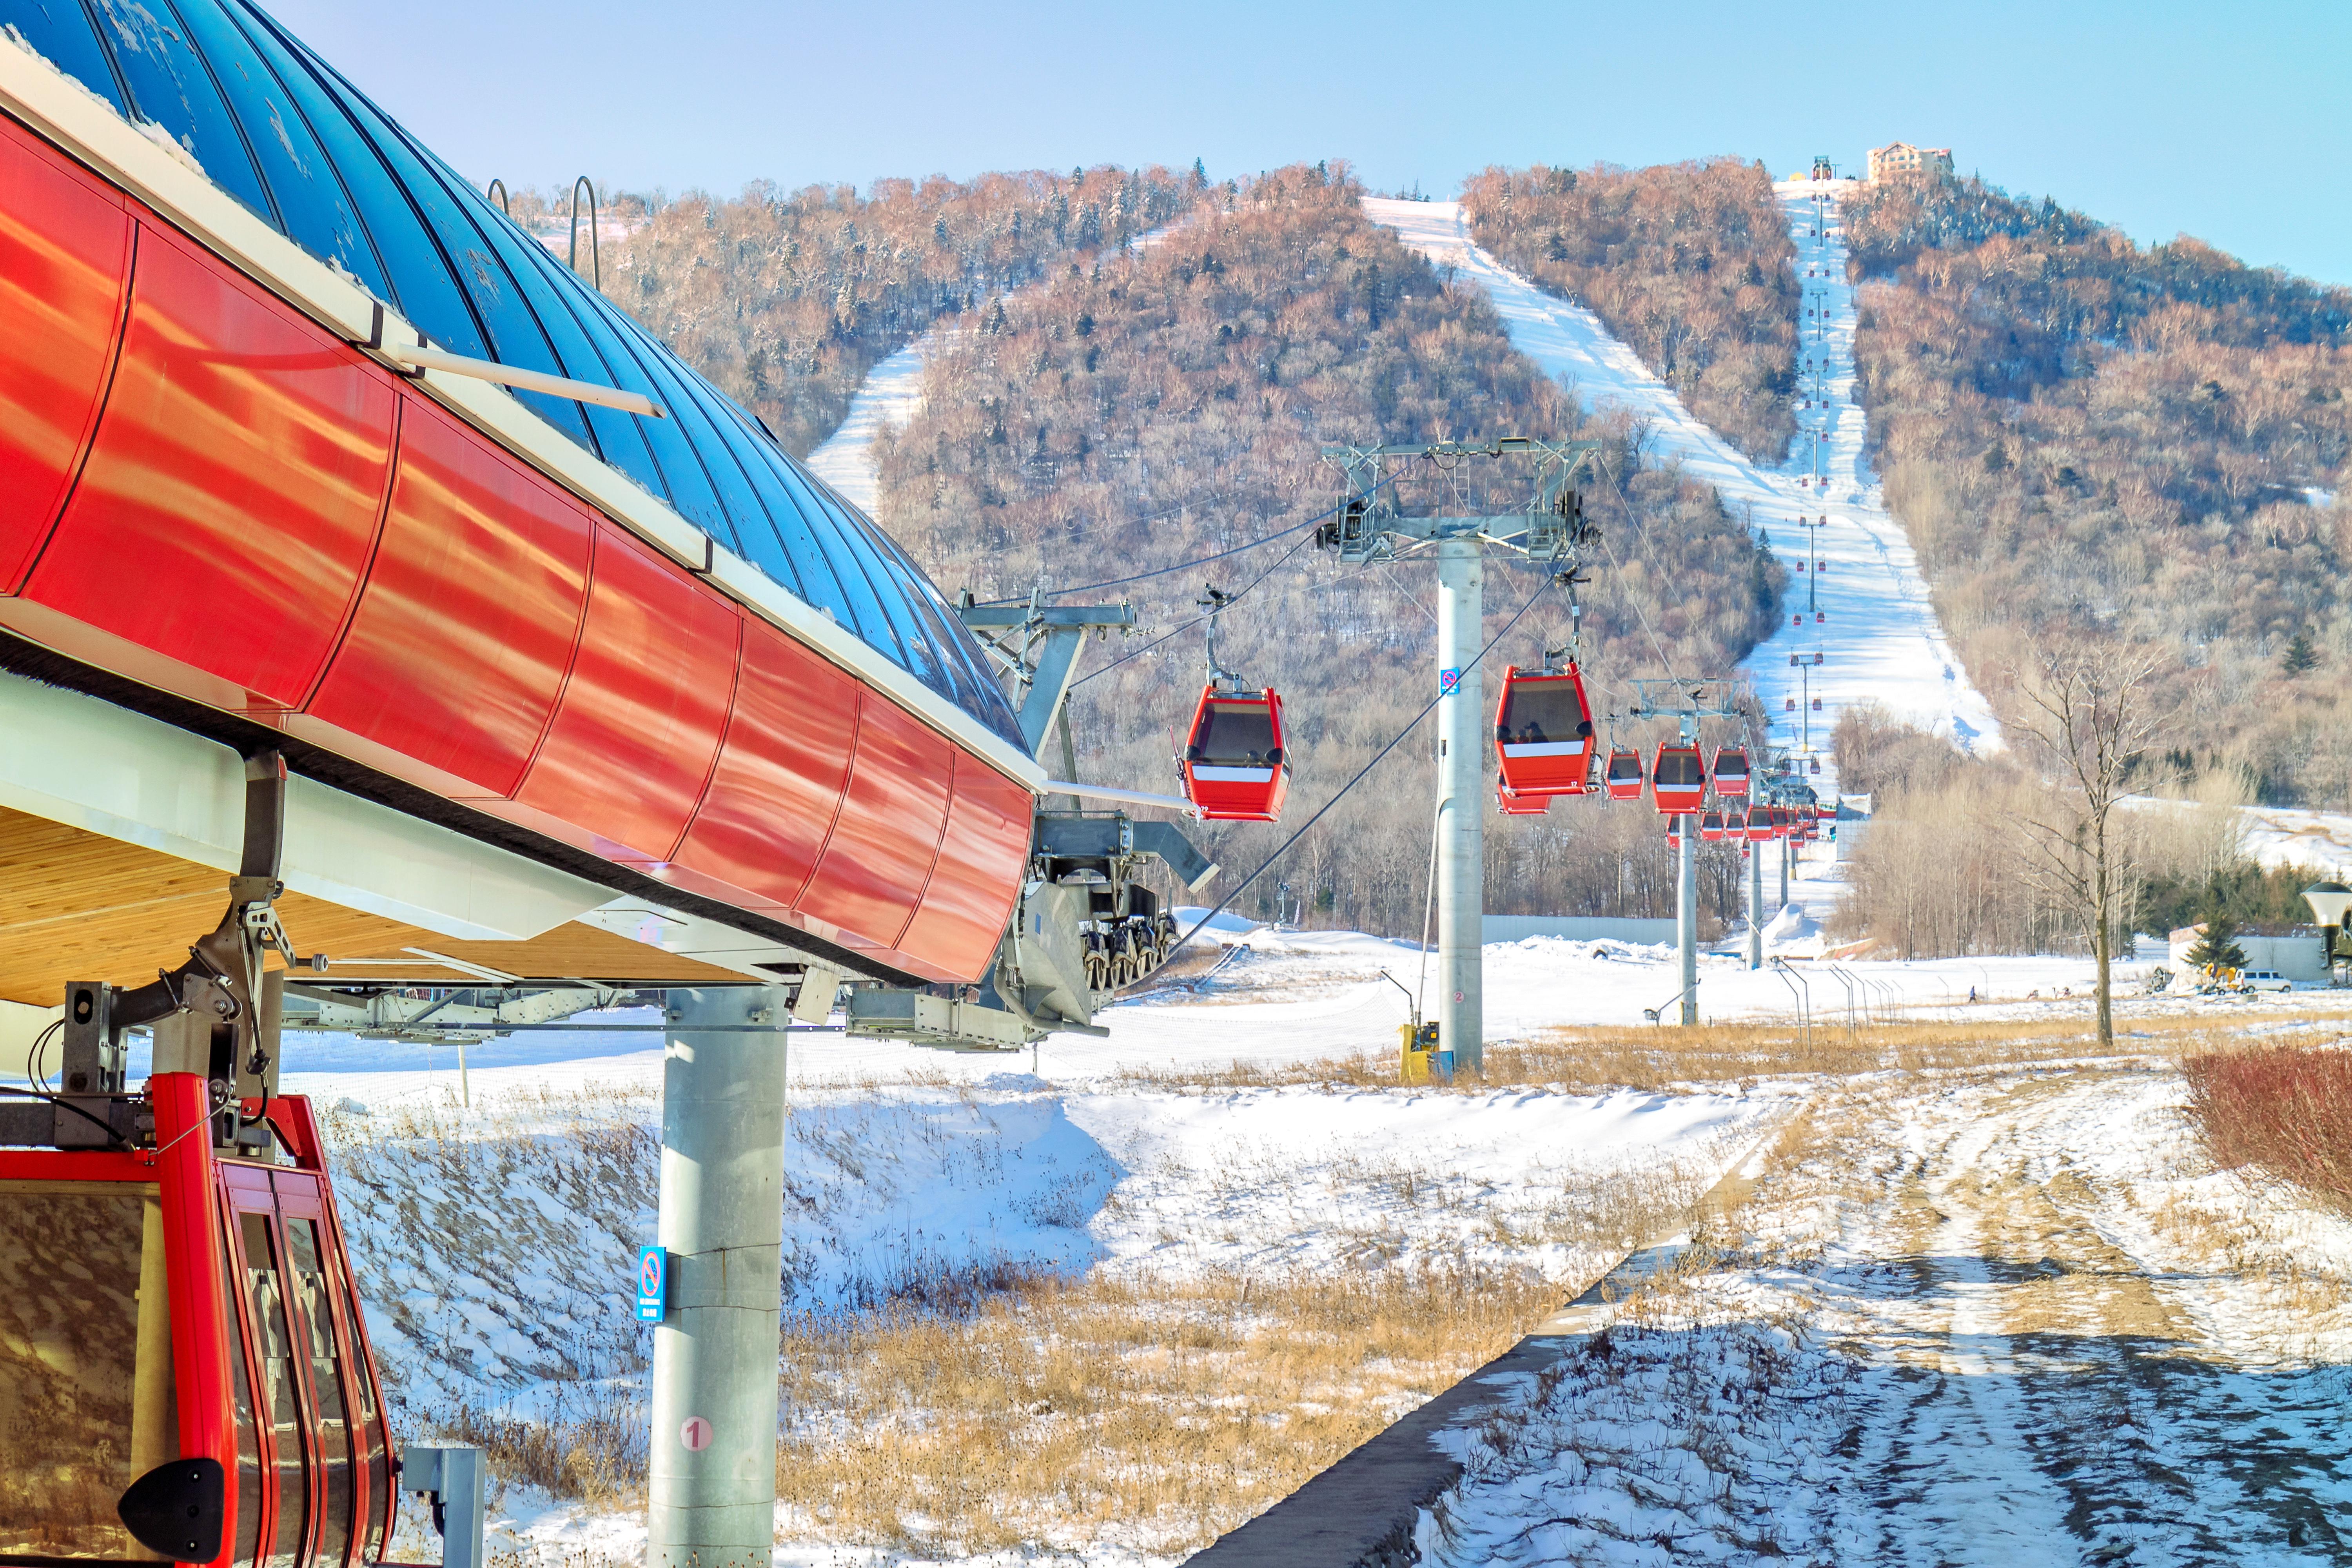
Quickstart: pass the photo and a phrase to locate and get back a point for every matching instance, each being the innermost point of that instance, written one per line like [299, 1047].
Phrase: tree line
[2090, 439]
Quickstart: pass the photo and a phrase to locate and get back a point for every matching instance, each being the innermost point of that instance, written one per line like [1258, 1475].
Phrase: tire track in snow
[1880, 640]
[1965, 1325]
[2041, 1394]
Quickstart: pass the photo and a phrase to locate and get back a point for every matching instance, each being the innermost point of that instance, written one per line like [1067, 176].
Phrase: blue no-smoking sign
[1449, 682]
[652, 1283]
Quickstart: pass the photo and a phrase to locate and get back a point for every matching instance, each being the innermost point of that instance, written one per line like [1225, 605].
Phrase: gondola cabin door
[1623, 779]
[1678, 779]
[1235, 767]
[313, 1474]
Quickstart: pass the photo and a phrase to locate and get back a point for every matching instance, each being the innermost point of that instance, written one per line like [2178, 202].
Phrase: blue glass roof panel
[171, 86]
[62, 33]
[311, 200]
[285, 134]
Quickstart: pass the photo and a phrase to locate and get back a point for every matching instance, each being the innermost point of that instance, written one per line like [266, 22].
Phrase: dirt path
[2012, 1322]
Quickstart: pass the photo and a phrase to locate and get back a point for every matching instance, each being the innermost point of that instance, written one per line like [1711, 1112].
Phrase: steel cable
[1362, 772]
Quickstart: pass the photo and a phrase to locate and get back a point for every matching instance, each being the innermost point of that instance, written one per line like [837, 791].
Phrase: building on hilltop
[1902, 158]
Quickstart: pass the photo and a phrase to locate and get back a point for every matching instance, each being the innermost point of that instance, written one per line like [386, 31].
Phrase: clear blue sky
[2230, 122]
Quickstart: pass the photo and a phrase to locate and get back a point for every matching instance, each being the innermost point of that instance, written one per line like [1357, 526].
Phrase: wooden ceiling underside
[75, 905]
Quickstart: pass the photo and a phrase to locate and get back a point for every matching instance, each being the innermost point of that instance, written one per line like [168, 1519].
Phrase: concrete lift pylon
[1550, 531]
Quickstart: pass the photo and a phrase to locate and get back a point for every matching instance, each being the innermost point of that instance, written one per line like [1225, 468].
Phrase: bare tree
[2089, 714]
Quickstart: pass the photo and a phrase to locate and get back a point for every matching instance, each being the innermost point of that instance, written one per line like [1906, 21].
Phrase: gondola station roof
[230, 91]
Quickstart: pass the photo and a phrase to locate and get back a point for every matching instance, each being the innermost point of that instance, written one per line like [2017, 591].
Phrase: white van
[2264, 980]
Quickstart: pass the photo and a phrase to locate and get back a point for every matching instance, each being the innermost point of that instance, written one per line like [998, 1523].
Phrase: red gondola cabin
[1678, 778]
[175, 1301]
[1759, 824]
[1623, 779]
[1710, 827]
[1234, 766]
[1543, 731]
[1731, 773]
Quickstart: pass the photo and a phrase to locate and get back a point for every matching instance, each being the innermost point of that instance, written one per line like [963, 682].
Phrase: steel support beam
[1755, 906]
[1461, 769]
[713, 1472]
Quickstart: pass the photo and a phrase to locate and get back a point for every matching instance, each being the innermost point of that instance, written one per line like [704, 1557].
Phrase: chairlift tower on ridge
[1549, 531]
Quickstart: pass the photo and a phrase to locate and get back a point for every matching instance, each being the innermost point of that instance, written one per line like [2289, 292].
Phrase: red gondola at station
[1234, 766]
[1730, 773]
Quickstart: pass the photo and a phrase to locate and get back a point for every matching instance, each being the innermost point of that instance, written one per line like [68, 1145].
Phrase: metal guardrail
[1804, 997]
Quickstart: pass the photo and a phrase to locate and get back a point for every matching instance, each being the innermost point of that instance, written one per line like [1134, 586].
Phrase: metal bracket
[451, 1476]
[1550, 528]
[221, 984]
[1038, 645]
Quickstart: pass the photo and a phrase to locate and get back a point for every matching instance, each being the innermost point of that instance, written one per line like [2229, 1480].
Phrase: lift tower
[1687, 702]
[1550, 532]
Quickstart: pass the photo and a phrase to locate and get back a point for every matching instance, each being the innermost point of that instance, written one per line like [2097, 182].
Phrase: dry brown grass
[1650, 1057]
[993, 1409]
[1149, 1412]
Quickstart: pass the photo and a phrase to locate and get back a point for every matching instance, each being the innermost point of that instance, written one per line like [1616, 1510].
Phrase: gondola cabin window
[85, 1364]
[1544, 712]
[1236, 735]
[281, 1415]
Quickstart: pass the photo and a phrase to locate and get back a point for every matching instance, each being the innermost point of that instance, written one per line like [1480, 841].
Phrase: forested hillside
[786, 301]
[2088, 437]
[1173, 402]
[1689, 264]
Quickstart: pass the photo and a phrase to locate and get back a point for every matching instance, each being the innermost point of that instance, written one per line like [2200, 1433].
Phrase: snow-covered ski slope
[1878, 637]
[2276, 836]
[891, 394]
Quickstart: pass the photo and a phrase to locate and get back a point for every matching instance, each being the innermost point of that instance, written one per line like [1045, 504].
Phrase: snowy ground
[2278, 836]
[2012, 1322]
[496, 1242]
[1880, 640]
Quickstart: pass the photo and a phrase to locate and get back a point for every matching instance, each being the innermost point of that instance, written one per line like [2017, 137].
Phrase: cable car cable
[1627, 502]
[1195, 621]
[1188, 565]
[1378, 757]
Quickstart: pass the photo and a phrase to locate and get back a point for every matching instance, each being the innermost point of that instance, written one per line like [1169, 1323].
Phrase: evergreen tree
[2216, 945]
[1200, 175]
[2301, 655]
